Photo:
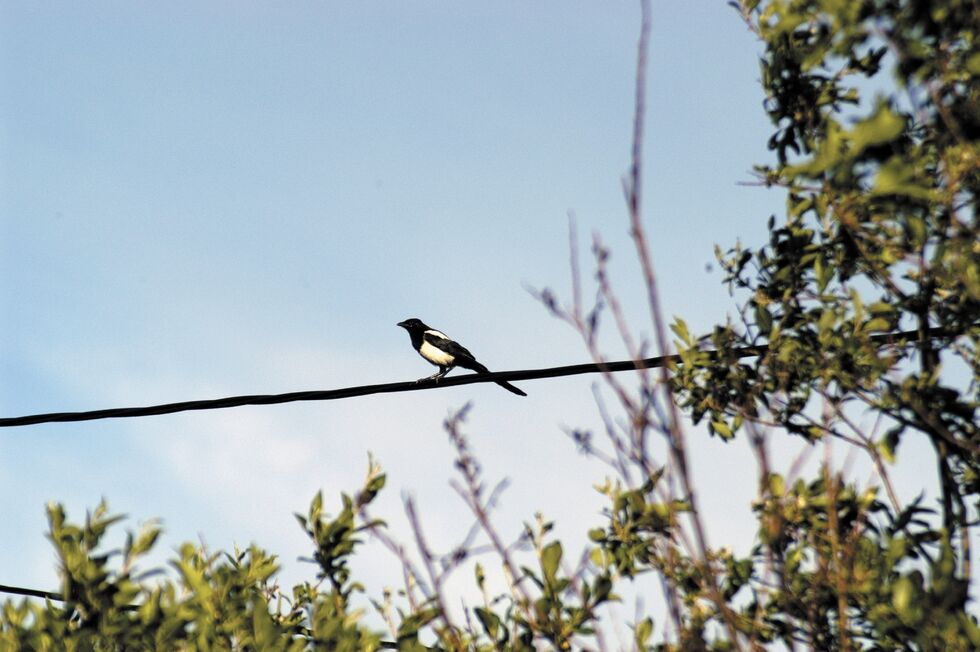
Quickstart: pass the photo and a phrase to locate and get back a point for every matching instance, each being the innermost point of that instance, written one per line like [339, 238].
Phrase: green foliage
[561, 613]
[218, 601]
[881, 230]
[880, 235]
[864, 301]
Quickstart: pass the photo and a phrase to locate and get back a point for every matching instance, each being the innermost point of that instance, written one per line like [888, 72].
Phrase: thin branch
[435, 577]
[676, 436]
[411, 575]
[473, 496]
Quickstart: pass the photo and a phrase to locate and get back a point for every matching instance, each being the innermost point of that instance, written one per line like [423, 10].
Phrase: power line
[388, 388]
[345, 392]
[33, 593]
[896, 338]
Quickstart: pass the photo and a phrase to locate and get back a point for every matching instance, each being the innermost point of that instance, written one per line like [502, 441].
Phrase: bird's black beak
[402, 324]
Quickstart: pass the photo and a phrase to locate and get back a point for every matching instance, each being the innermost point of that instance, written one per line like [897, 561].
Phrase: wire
[333, 394]
[34, 593]
[902, 337]
[388, 388]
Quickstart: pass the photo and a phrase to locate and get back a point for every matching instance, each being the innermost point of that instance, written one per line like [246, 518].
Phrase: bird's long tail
[480, 369]
[511, 388]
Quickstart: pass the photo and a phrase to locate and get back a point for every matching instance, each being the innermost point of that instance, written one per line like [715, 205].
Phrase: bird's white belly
[435, 355]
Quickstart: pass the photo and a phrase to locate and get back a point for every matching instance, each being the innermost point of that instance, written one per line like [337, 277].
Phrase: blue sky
[207, 199]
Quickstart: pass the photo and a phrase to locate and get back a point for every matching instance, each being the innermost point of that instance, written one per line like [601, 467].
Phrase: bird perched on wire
[438, 349]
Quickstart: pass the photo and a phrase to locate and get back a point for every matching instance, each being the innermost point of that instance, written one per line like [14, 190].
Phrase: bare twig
[412, 578]
[472, 494]
[436, 577]
[676, 440]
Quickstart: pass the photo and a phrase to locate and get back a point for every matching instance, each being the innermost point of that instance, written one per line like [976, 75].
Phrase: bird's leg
[442, 372]
[436, 376]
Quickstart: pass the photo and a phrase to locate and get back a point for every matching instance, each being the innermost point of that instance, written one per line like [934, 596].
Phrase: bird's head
[413, 325]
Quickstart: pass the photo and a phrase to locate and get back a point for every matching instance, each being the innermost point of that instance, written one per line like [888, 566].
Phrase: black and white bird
[438, 349]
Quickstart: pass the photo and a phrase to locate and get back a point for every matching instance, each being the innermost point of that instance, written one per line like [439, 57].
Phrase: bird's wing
[443, 343]
[461, 355]
[456, 355]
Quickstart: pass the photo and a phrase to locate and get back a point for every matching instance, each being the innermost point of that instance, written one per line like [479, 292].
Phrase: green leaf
[489, 620]
[480, 575]
[777, 485]
[973, 64]
[601, 589]
[763, 319]
[883, 126]
[644, 629]
[262, 625]
[409, 628]
[878, 324]
[889, 443]
[599, 557]
[722, 429]
[897, 176]
[826, 322]
[902, 591]
[680, 329]
[145, 541]
[550, 558]
[823, 273]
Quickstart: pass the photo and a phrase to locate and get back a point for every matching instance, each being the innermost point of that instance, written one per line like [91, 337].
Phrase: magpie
[438, 349]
